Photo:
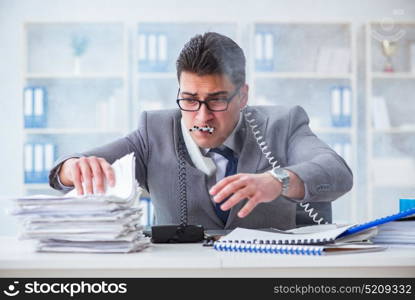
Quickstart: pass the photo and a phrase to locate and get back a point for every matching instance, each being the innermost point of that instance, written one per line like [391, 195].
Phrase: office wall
[13, 13]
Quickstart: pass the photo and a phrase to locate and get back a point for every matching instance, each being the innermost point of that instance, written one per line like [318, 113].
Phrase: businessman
[245, 166]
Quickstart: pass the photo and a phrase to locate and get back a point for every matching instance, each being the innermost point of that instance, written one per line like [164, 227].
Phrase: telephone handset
[262, 144]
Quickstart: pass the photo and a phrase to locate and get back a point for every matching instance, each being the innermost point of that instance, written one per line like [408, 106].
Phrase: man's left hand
[257, 188]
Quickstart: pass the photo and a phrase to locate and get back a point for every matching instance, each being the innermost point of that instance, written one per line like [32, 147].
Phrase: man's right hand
[90, 170]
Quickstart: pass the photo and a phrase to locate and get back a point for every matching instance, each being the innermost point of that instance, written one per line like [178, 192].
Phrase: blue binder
[147, 210]
[38, 161]
[35, 100]
[28, 163]
[153, 52]
[341, 144]
[346, 100]
[28, 107]
[341, 106]
[377, 222]
[264, 51]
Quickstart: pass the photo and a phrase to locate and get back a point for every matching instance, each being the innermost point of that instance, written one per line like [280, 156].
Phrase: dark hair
[212, 53]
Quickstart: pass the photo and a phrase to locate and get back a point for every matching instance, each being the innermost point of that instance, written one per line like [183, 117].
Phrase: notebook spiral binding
[268, 248]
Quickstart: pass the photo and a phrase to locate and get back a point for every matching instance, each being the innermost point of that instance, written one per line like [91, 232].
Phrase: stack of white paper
[91, 223]
[398, 232]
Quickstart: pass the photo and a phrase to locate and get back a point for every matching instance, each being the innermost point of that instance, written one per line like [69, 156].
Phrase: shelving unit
[398, 75]
[294, 76]
[302, 75]
[86, 85]
[74, 76]
[390, 125]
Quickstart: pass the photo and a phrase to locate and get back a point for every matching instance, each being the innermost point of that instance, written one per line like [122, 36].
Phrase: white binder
[162, 47]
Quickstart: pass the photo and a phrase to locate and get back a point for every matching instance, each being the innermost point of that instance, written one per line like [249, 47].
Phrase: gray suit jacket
[290, 140]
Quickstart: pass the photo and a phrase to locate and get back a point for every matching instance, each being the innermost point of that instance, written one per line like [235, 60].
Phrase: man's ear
[244, 96]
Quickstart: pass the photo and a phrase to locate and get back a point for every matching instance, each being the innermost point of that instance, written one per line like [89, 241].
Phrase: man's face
[211, 87]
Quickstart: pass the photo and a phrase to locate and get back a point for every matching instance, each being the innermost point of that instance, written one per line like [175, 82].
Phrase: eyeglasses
[220, 104]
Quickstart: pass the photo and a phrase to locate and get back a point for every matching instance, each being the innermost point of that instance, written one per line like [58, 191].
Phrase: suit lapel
[200, 196]
[251, 153]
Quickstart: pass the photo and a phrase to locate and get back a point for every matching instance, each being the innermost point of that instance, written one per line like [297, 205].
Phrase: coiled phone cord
[274, 163]
[262, 145]
[309, 210]
[182, 189]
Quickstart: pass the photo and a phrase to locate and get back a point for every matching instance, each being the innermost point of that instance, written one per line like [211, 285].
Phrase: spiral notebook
[273, 248]
[308, 235]
[308, 240]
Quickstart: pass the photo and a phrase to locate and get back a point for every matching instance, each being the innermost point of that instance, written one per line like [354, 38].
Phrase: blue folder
[35, 107]
[377, 222]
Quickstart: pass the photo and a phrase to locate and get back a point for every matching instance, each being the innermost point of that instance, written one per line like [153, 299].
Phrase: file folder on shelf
[343, 148]
[264, 51]
[341, 106]
[153, 55]
[147, 209]
[38, 161]
[35, 112]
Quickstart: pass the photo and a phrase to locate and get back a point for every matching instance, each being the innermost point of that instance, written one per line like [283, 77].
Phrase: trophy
[388, 49]
[79, 46]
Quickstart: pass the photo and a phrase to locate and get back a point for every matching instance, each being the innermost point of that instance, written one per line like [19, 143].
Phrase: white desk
[18, 259]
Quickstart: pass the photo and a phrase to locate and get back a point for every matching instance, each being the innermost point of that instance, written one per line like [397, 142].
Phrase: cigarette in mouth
[203, 128]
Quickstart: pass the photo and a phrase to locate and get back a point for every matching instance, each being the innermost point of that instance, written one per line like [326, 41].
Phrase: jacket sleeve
[325, 174]
[136, 142]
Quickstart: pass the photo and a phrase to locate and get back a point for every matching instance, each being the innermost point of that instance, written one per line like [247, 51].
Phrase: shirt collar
[234, 140]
